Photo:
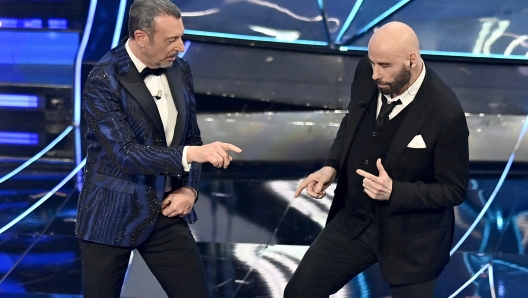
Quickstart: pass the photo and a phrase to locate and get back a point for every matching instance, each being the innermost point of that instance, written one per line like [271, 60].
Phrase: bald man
[401, 155]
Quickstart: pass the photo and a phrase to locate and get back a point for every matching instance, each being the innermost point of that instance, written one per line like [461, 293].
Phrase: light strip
[495, 191]
[186, 47]
[38, 155]
[44, 198]
[57, 24]
[512, 265]
[119, 23]
[18, 138]
[18, 100]
[349, 20]
[471, 55]
[78, 64]
[470, 280]
[21, 23]
[382, 16]
[325, 22]
[78, 157]
[491, 282]
[255, 38]
[447, 53]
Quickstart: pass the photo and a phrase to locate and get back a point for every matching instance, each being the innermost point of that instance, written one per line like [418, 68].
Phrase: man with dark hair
[143, 160]
[402, 156]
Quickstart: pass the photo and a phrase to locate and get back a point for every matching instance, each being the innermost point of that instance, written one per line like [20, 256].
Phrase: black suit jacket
[415, 227]
[128, 160]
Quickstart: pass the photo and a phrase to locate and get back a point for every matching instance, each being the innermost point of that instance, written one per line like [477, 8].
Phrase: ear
[412, 60]
[141, 37]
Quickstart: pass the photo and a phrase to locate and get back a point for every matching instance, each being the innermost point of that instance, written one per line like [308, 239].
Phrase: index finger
[230, 147]
[366, 174]
[301, 187]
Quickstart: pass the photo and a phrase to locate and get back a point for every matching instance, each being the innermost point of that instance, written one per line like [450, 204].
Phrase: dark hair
[143, 13]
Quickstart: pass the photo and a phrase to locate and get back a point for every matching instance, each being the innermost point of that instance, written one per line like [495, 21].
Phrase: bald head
[394, 53]
[394, 39]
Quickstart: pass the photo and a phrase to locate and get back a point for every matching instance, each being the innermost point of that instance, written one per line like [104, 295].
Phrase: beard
[403, 77]
[166, 64]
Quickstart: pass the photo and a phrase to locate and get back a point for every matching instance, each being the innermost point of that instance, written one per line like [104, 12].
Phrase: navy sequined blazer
[128, 158]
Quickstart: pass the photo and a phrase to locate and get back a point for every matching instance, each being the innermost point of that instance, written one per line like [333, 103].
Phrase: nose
[375, 73]
[180, 46]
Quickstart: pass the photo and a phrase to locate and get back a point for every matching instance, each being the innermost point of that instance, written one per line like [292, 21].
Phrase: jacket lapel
[133, 83]
[418, 112]
[362, 97]
[176, 87]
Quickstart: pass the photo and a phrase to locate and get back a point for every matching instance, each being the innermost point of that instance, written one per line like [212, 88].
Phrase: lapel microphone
[157, 96]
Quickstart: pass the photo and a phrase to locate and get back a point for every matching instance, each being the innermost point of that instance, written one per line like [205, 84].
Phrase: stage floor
[252, 234]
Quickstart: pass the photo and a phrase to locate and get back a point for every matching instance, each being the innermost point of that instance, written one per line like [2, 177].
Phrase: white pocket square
[417, 142]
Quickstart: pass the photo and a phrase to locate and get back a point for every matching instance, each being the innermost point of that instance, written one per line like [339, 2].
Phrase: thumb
[319, 186]
[381, 169]
[165, 203]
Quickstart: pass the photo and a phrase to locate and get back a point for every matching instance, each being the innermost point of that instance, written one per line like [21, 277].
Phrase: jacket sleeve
[192, 136]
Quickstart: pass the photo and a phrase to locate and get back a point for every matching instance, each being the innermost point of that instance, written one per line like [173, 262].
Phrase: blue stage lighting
[19, 138]
[19, 101]
[57, 24]
[20, 23]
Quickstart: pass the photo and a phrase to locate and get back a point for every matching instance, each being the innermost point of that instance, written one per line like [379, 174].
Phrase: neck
[136, 50]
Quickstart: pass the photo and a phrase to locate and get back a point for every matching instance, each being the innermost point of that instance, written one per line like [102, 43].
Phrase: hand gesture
[213, 153]
[317, 182]
[179, 203]
[377, 187]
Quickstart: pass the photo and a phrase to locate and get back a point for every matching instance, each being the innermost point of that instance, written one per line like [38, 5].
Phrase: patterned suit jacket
[128, 160]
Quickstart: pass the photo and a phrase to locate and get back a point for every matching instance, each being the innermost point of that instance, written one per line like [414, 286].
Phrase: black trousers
[170, 252]
[334, 258]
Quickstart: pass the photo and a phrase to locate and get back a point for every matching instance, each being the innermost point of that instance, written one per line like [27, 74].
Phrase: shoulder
[443, 97]
[182, 64]
[363, 75]
[441, 90]
[185, 70]
[115, 62]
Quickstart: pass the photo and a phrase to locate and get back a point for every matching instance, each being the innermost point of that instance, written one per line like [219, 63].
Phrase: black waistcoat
[368, 145]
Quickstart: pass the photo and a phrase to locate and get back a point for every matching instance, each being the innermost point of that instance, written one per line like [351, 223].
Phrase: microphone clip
[157, 96]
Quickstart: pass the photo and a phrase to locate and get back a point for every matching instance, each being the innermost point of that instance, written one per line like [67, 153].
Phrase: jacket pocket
[426, 222]
[114, 184]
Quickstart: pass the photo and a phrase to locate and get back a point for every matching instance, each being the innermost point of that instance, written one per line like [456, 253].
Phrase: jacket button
[366, 161]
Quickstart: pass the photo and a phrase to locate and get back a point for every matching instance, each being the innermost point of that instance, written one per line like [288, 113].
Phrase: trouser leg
[173, 257]
[103, 269]
[332, 260]
[418, 290]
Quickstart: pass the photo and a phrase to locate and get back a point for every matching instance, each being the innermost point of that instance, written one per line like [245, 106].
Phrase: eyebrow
[380, 63]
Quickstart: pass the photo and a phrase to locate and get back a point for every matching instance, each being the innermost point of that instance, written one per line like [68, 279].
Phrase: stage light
[19, 138]
[19, 101]
[57, 24]
[21, 23]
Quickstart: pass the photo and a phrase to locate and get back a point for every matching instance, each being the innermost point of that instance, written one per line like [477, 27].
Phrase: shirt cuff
[185, 164]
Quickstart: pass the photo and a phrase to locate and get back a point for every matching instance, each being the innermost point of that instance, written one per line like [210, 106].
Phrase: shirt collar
[408, 96]
[139, 65]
